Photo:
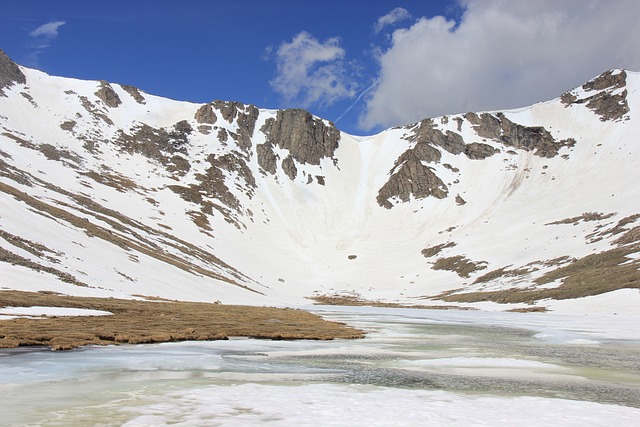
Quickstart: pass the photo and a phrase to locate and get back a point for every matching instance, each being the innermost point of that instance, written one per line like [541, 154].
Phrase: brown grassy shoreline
[136, 322]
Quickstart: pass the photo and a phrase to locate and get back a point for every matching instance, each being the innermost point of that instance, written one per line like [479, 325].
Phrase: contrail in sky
[363, 93]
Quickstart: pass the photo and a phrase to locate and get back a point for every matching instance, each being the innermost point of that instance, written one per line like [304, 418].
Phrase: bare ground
[136, 322]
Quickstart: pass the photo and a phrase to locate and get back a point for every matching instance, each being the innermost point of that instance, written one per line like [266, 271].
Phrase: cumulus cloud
[501, 54]
[41, 39]
[309, 72]
[396, 15]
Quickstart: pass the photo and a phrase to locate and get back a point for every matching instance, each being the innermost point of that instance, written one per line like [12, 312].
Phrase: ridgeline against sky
[364, 67]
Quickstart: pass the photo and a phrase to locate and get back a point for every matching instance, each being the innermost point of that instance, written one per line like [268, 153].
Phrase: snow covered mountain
[109, 191]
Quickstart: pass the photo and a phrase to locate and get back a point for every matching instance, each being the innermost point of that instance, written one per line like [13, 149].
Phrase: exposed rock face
[427, 133]
[9, 73]
[159, 144]
[530, 138]
[97, 113]
[205, 114]
[108, 95]
[307, 138]
[266, 158]
[183, 128]
[479, 151]
[245, 116]
[135, 93]
[605, 103]
[289, 167]
[228, 109]
[68, 125]
[411, 178]
[212, 185]
[607, 80]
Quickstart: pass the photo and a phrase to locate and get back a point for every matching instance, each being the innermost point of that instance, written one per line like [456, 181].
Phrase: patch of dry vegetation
[586, 217]
[500, 272]
[594, 274]
[435, 250]
[129, 236]
[14, 259]
[355, 300]
[535, 309]
[459, 264]
[136, 322]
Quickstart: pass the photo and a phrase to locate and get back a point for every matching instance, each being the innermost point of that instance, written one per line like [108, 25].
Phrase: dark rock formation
[228, 109]
[205, 114]
[426, 132]
[245, 116]
[183, 127]
[605, 103]
[607, 80]
[135, 93]
[108, 95]
[94, 111]
[266, 158]
[289, 167]
[479, 151]
[308, 139]
[178, 165]
[10, 73]
[212, 185]
[411, 178]
[68, 125]
[530, 138]
[158, 144]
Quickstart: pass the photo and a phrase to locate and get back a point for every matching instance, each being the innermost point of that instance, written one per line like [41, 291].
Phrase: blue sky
[365, 65]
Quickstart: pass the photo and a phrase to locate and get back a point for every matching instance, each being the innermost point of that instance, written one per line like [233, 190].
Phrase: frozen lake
[416, 367]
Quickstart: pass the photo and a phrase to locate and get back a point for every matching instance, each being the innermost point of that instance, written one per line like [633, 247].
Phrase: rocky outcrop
[135, 93]
[10, 73]
[228, 109]
[411, 178]
[289, 167]
[159, 144]
[612, 79]
[426, 132]
[307, 138]
[530, 138]
[205, 114]
[267, 159]
[108, 95]
[605, 103]
[479, 151]
[212, 186]
[245, 117]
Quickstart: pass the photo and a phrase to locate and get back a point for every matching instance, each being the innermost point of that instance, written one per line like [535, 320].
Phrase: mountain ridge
[110, 191]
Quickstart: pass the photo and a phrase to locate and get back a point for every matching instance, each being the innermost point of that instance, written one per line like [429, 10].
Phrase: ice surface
[415, 367]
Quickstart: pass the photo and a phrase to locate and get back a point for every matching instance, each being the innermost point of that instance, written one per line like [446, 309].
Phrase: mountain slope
[106, 190]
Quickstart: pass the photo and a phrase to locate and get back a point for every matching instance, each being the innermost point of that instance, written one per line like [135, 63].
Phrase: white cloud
[41, 39]
[48, 30]
[312, 73]
[396, 15]
[502, 54]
